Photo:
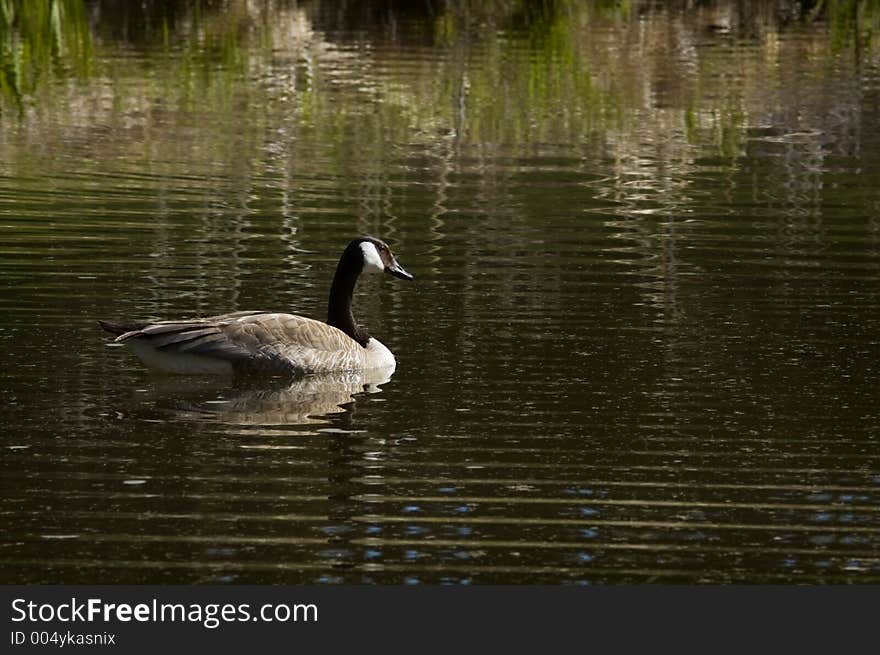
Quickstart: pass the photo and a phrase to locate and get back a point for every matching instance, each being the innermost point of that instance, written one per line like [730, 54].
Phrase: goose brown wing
[297, 342]
[285, 330]
[200, 337]
[256, 340]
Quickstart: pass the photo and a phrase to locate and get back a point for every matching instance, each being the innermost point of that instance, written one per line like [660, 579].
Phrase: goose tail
[120, 328]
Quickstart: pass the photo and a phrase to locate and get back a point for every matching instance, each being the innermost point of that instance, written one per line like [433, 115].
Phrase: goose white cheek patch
[372, 261]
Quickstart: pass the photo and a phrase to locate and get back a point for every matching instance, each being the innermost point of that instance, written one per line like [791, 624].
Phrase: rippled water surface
[642, 343]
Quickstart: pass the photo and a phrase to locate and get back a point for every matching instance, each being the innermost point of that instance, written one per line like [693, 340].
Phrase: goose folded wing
[252, 340]
[193, 337]
[281, 332]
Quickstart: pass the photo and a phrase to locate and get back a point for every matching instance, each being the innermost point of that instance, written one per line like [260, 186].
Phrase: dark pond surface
[643, 340]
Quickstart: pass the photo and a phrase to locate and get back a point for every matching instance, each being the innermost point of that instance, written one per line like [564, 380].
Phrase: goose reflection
[308, 400]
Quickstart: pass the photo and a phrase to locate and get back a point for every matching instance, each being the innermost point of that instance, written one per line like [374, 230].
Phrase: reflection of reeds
[267, 93]
[501, 72]
[41, 40]
[258, 97]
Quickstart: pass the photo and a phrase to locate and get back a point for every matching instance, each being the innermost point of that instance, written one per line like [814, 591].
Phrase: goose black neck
[341, 291]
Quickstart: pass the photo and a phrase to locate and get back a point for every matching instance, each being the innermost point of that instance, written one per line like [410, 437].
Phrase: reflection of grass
[853, 22]
[261, 97]
[41, 39]
[500, 72]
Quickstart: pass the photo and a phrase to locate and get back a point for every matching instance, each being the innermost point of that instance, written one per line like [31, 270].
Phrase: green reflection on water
[854, 23]
[44, 40]
[505, 72]
[41, 40]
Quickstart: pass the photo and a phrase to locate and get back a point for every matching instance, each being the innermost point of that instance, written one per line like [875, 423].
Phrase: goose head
[363, 255]
[378, 258]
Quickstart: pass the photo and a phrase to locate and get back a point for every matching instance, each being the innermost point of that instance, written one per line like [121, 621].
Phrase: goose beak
[397, 271]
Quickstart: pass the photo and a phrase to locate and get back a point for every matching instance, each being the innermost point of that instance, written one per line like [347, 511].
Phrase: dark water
[642, 343]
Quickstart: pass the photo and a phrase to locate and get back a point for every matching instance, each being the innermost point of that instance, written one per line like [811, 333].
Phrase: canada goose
[272, 343]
